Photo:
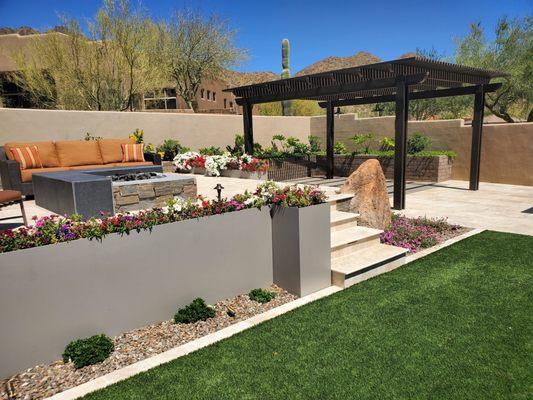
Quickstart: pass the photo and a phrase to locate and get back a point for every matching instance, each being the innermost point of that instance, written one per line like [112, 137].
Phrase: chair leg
[23, 212]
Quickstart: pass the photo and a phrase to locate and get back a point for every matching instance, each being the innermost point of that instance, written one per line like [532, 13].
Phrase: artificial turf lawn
[456, 324]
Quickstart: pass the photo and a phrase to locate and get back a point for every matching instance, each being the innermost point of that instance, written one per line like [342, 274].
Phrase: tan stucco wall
[507, 153]
[507, 149]
[192, 130]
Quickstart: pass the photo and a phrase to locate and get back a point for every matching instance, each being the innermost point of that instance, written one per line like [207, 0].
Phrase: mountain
[235, 78]
[332, 63]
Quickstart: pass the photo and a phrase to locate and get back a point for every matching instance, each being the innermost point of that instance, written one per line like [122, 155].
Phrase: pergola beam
[427, 94]
[333, 90]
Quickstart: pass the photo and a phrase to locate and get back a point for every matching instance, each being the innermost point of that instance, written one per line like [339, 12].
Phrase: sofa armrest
[153, 157]
[10, 175]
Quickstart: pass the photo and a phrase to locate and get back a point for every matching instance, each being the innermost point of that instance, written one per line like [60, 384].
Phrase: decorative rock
[371, 199]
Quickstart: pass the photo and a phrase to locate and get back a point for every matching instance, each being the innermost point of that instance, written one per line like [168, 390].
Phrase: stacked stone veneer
[429, 169]
[139, 195]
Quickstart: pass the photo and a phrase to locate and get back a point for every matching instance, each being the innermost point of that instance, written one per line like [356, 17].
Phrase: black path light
[219, 188]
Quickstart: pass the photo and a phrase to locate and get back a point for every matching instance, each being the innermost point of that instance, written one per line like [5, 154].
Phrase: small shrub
[361, 143]
[170, 148]
[294, 146]
[417, 142]
[196, 311]
[237, 149]
[83, 352]
[314, 144]
[211, 151]
[340, 148]
[137, 135]
[386, 144]
[261, 295]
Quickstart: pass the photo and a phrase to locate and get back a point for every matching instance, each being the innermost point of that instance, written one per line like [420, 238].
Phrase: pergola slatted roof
[439, 74]
[398, 81]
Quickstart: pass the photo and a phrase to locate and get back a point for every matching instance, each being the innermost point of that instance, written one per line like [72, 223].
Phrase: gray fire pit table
[89, 192]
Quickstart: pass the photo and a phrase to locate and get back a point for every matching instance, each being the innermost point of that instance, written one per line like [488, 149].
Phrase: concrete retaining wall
[51, 295]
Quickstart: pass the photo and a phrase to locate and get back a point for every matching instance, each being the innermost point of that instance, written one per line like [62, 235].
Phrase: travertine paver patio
[495, 206]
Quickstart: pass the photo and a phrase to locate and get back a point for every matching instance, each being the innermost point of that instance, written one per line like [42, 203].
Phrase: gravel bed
[45, 380]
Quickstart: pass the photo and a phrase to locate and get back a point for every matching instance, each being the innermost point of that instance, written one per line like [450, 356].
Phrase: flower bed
[55, 229]
[420, 233]
[215, 165]
[135, 345]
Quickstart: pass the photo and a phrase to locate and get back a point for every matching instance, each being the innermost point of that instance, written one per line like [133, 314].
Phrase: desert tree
[106, 69]
[193, 48]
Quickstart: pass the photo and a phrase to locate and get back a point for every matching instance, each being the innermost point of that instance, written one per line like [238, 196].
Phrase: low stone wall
[428, 169]
[140, 196]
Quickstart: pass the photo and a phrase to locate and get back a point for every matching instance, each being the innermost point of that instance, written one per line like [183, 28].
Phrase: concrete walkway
[494, 206]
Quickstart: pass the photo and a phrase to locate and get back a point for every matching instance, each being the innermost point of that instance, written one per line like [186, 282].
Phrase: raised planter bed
[53, 294]
[429, 169]
[290, 168]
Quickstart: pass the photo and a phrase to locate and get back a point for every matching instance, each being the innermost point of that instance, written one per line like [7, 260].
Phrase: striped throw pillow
[132, 152]
[27, 157]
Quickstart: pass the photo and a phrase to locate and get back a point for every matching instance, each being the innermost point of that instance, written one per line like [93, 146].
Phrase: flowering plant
[188, 160]
[415, 234]
[254, 165]
[55, 229]
[215, 164]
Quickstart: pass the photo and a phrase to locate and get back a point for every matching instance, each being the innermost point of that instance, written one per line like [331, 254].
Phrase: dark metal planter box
[53, 294]
[301, 248]
[429, 169]
[290, 168]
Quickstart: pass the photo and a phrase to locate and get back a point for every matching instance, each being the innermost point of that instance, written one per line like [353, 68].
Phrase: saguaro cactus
[286, 106]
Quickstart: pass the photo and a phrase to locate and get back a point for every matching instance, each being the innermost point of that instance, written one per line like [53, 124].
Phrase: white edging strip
[169, 355]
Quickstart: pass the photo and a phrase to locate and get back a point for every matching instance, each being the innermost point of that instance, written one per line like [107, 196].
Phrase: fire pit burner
[138, 176]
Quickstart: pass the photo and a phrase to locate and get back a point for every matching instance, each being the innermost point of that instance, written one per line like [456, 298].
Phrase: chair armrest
[10, 175]
[153, 157]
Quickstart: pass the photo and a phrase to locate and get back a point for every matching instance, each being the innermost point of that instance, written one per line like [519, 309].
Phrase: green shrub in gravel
[196, 311]
[92, 350]
[261, 295]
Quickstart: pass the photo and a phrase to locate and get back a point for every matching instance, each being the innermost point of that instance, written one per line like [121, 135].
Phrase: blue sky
[315, 28]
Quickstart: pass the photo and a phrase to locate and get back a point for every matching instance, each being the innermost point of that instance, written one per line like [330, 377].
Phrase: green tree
[105, 70]
[512, 52]
[192, 48]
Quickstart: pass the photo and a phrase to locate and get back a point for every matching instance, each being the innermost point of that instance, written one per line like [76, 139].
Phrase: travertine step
[366, 263]
[342, 220]
[340, 202]
[347, 241]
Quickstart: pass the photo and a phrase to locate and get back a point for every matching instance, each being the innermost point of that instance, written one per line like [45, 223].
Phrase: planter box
[235, 173]
[53, 294]
[198, 171]
[290, 168]
[168, 166]
[301, 248]
[429, 169]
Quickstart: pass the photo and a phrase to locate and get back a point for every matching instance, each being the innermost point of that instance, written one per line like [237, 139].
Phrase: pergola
[392, 81]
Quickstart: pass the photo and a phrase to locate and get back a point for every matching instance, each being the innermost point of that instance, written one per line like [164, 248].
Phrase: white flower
[215, 164]
[180, 160]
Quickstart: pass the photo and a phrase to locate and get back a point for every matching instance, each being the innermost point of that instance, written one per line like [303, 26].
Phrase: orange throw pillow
[132, 152]
[27, 157]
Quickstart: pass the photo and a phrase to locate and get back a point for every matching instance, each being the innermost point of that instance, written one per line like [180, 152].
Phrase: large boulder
[371, 201]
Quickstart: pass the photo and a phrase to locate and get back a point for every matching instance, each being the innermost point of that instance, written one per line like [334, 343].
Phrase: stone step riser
[345, 224]
[339, 279]
[340, 205]
[353, 247]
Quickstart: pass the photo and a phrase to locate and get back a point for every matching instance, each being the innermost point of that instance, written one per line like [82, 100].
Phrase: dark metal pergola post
[400, 143]
[248, 128]
[330, 137]
[477, 134]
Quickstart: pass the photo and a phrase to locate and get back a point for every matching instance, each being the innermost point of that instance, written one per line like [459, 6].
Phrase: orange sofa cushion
[111, 149]
[47, 152]
[26, 174]
[78, 152]
[132, 164]
[27, 156]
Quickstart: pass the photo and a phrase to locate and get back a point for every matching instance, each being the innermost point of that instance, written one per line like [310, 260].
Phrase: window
[225, 103]
[231, 104]
[214, 96]
[208, 95]
[164, 99]
[202, 93]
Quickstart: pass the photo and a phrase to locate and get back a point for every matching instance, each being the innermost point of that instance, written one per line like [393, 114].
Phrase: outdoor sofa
[66, 155]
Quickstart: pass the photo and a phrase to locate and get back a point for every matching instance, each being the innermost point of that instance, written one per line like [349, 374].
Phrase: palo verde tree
[511, 51]
[193, 48]
[106, 69]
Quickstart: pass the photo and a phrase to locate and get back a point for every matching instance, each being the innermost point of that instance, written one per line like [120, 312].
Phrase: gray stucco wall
[53, 294]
